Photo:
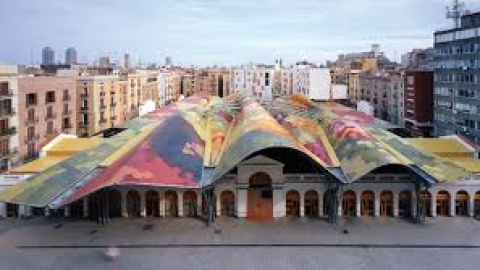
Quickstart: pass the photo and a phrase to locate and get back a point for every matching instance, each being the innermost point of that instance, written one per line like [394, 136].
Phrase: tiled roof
[177, 145]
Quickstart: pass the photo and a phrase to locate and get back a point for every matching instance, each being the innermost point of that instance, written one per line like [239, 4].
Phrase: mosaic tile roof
[178, 144]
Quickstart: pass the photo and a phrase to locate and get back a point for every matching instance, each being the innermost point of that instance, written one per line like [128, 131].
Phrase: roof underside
[196, 141]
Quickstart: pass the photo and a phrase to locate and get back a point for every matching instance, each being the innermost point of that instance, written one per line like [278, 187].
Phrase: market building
[206, 156]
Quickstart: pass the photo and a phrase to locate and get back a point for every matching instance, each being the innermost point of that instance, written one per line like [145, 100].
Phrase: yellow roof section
[71, 146]
[60, 151]
[444, 147]
[39, 165]
[472, 165]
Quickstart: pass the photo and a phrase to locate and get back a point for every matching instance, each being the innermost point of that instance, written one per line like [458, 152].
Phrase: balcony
[84, 95]
[33, 138]
[84, 109]
[6, 94]
[7, 113]
[67, 98]
[113, 118]
[103, 107]
[32, 121]
[83, 124]
[67, 112]
[50, 116]
[102, 121]
[9, 153]
[31, 103]
[8, 131]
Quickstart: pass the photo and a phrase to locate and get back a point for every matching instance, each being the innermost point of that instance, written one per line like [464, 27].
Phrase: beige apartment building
[219, 81]
[9, 121]
[353, 85]
[47, 107]
[99, 103]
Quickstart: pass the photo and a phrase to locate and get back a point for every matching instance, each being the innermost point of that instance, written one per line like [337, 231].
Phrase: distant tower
[70, 56]
[168, 61]
[48, 56]
[126, 61]
[455, 12]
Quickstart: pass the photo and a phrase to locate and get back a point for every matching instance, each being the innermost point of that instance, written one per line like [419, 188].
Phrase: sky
[217, 32]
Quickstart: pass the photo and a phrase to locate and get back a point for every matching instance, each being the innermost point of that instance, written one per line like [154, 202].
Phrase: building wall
[43, 120]
[9, 138]
[457, 80]
[95, 109]
[419, 102]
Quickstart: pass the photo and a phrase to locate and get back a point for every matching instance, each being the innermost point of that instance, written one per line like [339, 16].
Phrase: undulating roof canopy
[194, 142]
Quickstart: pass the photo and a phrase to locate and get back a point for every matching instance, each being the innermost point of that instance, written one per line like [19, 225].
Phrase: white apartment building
[257, 81]
[9, 119]
[267, 83]
[168, 87]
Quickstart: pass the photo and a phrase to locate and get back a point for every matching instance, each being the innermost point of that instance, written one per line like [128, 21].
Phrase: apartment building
[219, 80]
[256, 81]
[9, 121]
[98, 103]
[419, 103]
[396, 102]
[169, 83]
[353, 85]
[457, 79]
[374, 88]
[47, 107]
[315, 83]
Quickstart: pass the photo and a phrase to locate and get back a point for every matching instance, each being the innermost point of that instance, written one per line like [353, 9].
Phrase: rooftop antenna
[455, 12]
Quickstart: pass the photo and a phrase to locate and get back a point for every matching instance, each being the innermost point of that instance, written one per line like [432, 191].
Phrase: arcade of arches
[263, 198]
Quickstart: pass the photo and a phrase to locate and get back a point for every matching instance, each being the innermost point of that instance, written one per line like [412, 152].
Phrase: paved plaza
[441, 243]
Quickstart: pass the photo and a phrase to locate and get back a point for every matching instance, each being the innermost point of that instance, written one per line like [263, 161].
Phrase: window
[31, 99]
[66, 96]
[49, 128]
[50, 97]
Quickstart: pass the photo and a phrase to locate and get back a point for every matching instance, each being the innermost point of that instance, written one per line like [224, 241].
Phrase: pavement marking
[365, 246]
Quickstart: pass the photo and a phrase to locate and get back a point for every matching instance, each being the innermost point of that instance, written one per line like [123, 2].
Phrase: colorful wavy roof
[196, 141]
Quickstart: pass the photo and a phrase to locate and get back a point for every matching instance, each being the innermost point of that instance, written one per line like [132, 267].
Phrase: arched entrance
[349, 204]
[227, 202]
[260, 197]
[405, 204]
[114, 204]
[426, 200]
[152, 204]
[476, 203]
[133, 203]
[311, 204]
[12, 210]
[461, 203]
[368, 203]
[189, 204]
[443, 203]
[76, 209]
[292, 203]
[386, 203]
[171, 200]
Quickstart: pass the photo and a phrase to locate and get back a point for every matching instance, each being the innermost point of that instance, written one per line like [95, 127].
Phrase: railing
[31, 103]
[67, 112]
[103, 106]
[102, 121]
[48, 101]
[67, 98]
[83, 124]
[4, 113]
[113, 118]
[83, 109]
[9, 152]
[8, 131]
[84, 95]
[30, 139]
[32, 121]
[8, 93]
[51, 116]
